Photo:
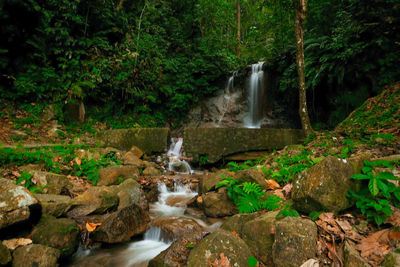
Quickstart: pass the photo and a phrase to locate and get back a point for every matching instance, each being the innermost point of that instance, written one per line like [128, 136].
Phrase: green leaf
[314, 215]
[366, 169]
[373, 186]
[360, 177]
[252, 261]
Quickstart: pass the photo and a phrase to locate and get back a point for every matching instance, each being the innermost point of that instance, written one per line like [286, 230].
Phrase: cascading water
[176, 163]
[227, 96]
[255, 95]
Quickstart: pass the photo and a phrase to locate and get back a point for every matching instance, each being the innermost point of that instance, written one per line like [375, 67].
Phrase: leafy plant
[348, 148]
[235, 167]
[287, 211]
[376, 197]
[248, 196]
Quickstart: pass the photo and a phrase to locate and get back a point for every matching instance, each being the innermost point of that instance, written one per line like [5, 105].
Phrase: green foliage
[235, 167]
[348, 148]
[314, 215]
[248, 196]
[90, 168]
[252, 261]
[287, 211]
[289, 166]
[378, 194]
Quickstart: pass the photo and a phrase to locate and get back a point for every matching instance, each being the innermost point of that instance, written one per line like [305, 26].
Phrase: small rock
[129, 158]
[151, 171]
[16, 242]
[295, 242]
[175, 227]
[15, 203]
[352, 257]
[35, 255]
[5, 255]
[217, 204]
[53, 183]
[61, 233]
[220, 246]
[136, 151]
[110, 175]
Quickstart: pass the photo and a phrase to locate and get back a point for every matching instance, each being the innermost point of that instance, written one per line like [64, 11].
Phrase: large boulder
[5, 255]
[175, 227]
[130, 158]
[62, 234]
[209, 180]
[121, 225]
[220, 246]
[177, 254]
[55, 205]
[236, 222]
[251, 175]
[111, 175]
[35, 255]
[218, 204]
[151, 171]
[52, 183]
[295, 242]
[324, 186]
[259, 236]
[96, 200]
[149, 140]
[130, 192]
[15, 203]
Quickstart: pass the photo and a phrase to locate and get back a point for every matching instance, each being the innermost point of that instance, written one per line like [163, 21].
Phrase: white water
[175, 156]
[256, 87]
[227, 96]
[139, 253]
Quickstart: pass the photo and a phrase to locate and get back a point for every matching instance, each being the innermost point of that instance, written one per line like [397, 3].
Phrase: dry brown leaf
[395, 218]
[279, 193]
[235, 234]
[16, 174]
[16, 242]
[91, 226]
[222, 262]
[375, 245]
[348, 230]
[78, 161]
[272, 184]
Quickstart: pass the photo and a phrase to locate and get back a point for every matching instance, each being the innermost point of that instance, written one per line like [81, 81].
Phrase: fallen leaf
[287, 189]
[279, 193]
[222, 262]
[272, 184]
[16, 242]
[91, 226]
[235, 234]
[16, 174]
[375, 246]
[78, 161]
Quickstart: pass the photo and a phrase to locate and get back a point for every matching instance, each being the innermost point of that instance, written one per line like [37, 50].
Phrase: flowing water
[227, 96]
[176, 163]
[255, 95]
[139, 253]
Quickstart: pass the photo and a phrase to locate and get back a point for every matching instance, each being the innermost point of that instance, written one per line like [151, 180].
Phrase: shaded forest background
[145, 63]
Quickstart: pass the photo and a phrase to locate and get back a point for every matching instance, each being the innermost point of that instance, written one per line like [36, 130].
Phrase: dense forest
[146, 63]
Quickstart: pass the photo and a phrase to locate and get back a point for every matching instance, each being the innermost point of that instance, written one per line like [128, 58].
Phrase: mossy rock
[62, 234]
[5, 255]
[36, 255]
[218, 245]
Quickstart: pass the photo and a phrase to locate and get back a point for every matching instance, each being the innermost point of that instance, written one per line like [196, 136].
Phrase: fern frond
[248, 204]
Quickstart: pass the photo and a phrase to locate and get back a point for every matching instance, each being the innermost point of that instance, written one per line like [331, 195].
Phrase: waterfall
[175, 162]
[255, 95]
[227, 96]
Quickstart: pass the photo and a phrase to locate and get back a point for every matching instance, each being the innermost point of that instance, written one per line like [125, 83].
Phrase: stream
[171, 203]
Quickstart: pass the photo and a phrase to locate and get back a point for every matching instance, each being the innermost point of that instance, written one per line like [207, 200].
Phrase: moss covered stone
[149, 140]
[5, 255]
[214, 144]
[61, 233]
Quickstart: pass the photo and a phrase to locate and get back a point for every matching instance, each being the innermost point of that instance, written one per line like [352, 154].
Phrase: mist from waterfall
[255, 95]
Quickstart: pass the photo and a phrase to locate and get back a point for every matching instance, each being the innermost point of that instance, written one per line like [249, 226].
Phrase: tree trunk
[299, 17]
[238, 25]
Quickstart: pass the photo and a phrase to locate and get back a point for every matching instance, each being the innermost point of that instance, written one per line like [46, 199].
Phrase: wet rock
[259, 236]
[209, 180]
[352, 257]
[180, 166]
[195, 212]
[217, 204]
[136, 151]
[130, 192]
[15, 203]
[177, 254]
[121, 225]
[52, 183]
[151, 171]
[55, 205]
[61, 233]
[252, 175]
[35, 255]
[236, 222]
[175, 227]
[295, 242]
[110, 175]
[324, 186]
[5, 255]
[391, 260]
[95, 200]
[220, 244]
